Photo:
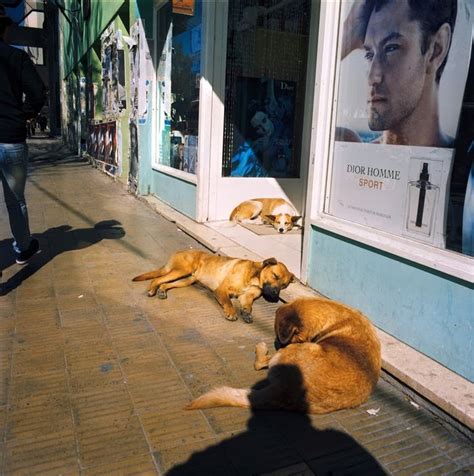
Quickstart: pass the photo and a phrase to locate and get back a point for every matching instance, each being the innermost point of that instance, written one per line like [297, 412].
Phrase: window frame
[445, 261]
[155, 164]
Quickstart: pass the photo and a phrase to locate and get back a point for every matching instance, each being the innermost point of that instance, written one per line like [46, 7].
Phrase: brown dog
[266, 211]
[226, 277]
[330, 360]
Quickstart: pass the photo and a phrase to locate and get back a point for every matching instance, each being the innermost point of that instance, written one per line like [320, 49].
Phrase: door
[259, 102]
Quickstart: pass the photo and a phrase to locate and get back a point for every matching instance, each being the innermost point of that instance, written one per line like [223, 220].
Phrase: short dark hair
[430, 14]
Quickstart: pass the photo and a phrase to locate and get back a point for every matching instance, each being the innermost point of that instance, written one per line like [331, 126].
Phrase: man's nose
[375, 71]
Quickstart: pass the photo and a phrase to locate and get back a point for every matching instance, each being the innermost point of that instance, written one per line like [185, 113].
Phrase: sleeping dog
[226, 277]
[329, 358]
[267, 211]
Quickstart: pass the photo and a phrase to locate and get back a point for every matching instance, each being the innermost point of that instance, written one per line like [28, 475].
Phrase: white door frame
[217, 195]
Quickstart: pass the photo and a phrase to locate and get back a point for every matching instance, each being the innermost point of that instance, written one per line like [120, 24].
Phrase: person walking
[22, 95]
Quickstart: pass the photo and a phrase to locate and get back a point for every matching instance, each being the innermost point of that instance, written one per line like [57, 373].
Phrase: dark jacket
[18, 76]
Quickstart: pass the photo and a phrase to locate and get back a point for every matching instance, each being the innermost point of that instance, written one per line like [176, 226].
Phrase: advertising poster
[402, 79]
[102, 145]
[263, 122]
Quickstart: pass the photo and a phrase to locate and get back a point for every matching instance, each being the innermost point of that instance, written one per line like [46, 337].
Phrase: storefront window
[178, 77]
[401, 156]
[265, 86]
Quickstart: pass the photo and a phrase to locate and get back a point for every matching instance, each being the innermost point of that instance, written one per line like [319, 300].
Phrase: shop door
[263, 100]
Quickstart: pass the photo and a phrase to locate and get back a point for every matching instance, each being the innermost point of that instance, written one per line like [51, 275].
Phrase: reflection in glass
[178, 78]
[265, 83]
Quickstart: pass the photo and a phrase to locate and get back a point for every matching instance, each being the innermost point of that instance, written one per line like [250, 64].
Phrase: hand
[355, 26]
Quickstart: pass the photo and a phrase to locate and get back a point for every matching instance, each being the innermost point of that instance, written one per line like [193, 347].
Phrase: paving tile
[31, 306]
[33, 363]
[70, 302]
[95, 379]
[193, 458]
[180, 428]
[407, 458]
[39, 384]
[27, 292]
[35, 416]
[435, 466]
[137, 465]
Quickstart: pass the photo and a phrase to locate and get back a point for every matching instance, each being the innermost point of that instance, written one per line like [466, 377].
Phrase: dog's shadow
[53, 242]
[283, 442]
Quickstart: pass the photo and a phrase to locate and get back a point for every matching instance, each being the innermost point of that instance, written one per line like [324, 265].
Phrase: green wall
[80, 35]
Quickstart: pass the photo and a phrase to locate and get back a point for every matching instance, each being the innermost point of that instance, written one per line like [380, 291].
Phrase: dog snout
[277, 344]
[281, 230]
[270, 293]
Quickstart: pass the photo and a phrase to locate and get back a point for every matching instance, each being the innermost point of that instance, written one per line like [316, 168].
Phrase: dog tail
[150, 275]
[269, 398]
[222, 397]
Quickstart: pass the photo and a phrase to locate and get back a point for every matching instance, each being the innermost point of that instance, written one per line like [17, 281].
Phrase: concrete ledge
[450, 392]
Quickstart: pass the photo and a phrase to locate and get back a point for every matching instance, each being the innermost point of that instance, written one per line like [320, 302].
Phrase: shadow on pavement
[53, 242]
[280, 440]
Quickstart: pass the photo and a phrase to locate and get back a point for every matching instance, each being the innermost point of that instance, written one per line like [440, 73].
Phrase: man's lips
[377, 99]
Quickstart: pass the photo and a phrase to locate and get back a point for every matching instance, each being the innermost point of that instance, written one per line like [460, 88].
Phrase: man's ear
[270, 217]
[439, 47]
[270, 262]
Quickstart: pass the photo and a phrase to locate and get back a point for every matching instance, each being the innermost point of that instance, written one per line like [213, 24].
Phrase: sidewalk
[94, 375]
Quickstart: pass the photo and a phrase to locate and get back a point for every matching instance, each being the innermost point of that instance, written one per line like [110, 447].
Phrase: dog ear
[271, 217]
[286, 324]
[292, 278]
[269, 262]
[296, 218]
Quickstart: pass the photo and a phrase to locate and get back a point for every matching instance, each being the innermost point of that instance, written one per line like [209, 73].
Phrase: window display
[179, 73]
[402, 76]
[265, 86]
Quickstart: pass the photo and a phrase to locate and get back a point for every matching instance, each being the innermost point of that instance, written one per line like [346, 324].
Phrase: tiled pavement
[94, 375]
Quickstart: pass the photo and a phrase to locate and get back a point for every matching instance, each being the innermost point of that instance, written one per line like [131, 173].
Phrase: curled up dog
[329, 359]
[276, 212]
[226, 277]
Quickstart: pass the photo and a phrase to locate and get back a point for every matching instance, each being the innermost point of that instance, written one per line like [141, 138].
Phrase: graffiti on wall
[113, 73]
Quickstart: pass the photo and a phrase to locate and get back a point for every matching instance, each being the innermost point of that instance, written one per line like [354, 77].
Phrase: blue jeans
[13, 168]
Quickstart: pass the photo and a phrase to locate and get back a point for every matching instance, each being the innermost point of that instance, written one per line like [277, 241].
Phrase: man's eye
[369, 56]
[391, 48]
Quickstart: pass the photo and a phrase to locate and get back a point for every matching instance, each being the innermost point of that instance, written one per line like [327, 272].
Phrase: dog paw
[261, 348]
[246, 316]
[233, 317]
[161, 294]
[151, 292]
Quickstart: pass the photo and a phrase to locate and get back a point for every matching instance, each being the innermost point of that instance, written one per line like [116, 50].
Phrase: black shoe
[24, 256]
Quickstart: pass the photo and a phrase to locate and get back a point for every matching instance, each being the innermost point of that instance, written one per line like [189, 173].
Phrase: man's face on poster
[397, 73]
[262, 124]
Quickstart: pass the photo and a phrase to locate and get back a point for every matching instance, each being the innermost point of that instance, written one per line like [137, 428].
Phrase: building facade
[206, 104]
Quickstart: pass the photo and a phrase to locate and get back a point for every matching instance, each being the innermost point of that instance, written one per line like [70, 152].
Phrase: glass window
[401, 156]
[267, 49]
[178, 79]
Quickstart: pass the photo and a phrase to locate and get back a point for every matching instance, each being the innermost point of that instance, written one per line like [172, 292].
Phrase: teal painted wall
[144, 9]
[430, 311]
[177, 193]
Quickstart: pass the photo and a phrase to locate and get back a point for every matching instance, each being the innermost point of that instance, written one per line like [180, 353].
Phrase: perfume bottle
[422, 198]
